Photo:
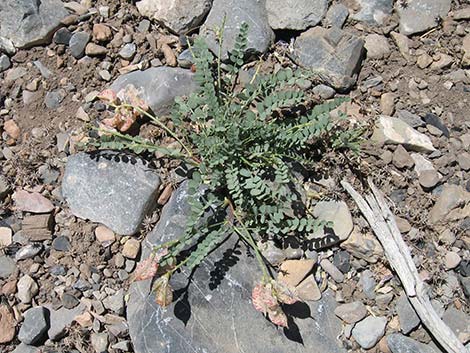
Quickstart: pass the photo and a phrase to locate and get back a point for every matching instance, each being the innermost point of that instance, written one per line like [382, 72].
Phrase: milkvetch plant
[241, 142]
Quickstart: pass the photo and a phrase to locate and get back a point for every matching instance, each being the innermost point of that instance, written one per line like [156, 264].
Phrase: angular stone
[351, 312]
[295, 14]
[28, 22]
[373, 12]
[217, 303]
[411, 119]
[61, 243]
[12, 129]
[369, 331]
[367, 283]
[452, 260]
[181, 16]
[377, 47]
[27, 289]
[273, 254]
[7, 324]
[115, 189]
[4, 187]
[444, 62]
[61, 319]
[5, 236]
[407, 316]
[7, 266]
[462, 14]
[338, 213]
[128, 51]
[363, 246]
[421, 15]
[403, 43]
[293, 272]
[336, 16]
[451, 197]
[35, 325]
[421, 163]
[102, 33]
[131, 248]
[332, 270]
[5, 63]
[391, 130]
[334, 53]
[62, 36]
[260, 35]
[99, 342]
[32, 202]
[115, 302]
[466, 50]
[159, 86]
[397, 343]
[54, 99]
[105, 235]
[308, 289]
[93, 49]
[78, 43]
[457, 320]
[401, 158]
[38, 227]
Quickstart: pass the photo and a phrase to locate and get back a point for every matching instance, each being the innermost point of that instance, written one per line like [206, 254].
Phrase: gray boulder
[112, 188]
[333, 53]
[373, 12]
[159, 86]
[260, 35]
[398, 343]
[295, 14]
[212, 311]
[29, 22]
[180, 16]
[421, 15]
[35, 325]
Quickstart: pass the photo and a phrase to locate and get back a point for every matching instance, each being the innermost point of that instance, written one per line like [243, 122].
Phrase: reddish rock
[7, 324]
[12, 129]
[32, 202]
[292, 272]
[102, 33]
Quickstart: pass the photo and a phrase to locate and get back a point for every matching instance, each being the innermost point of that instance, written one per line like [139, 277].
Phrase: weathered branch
[382, 222]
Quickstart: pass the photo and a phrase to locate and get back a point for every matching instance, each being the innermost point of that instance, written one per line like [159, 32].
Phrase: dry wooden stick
[382, 221]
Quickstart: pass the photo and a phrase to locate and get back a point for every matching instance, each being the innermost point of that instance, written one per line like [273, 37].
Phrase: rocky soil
[73, 225]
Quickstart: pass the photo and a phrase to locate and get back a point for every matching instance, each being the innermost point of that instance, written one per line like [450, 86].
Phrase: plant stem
[249, 239]
[220, 36]
[161, 125]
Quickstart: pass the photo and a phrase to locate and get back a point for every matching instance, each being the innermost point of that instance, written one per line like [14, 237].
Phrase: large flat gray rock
[180, 16]
[159, 86]
[420, 15]
[212, 312]
[295, 14]
[332, 53]
[112, 188]
[30, 22]
[398, 343]
[253, 12]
